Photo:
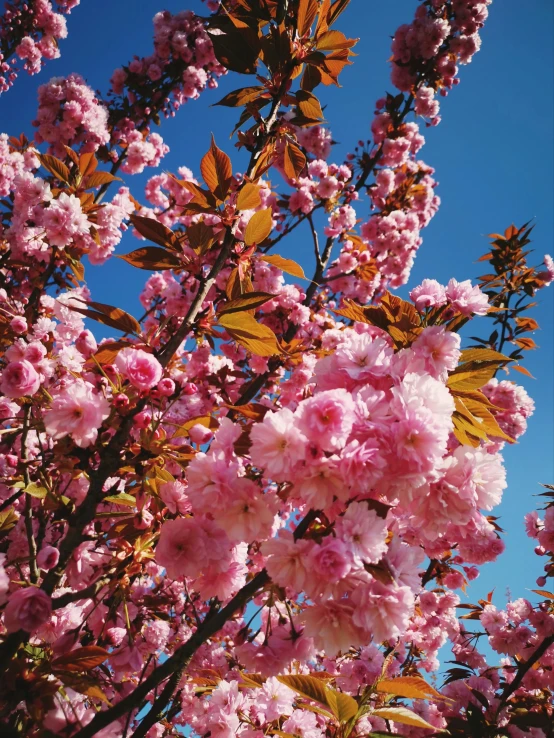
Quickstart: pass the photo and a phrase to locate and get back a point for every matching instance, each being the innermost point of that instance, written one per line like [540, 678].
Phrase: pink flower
[428, 294]
[246, 516]
[330, 561]
[466, 299]
[77, 410]
[188, 545]
[363, 532]
[326, 419]
[274, 700]
[47, 558]
[175, 497]
[331, 625]
[27, 609]
[64, 219]
[4, 580]
[532, 524]
[143, 370]
[439, 351]
[287, 561]
[19, 324]
[86, 343]
[382, 610]
[19, 378]
[362, 356]
[277, 444]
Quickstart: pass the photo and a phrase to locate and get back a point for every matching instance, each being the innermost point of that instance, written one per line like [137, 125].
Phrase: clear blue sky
[492, 154]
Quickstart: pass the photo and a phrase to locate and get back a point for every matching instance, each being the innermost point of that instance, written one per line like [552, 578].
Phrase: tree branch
[509, 689]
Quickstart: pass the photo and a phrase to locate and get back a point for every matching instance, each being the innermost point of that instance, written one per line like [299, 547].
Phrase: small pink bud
[142, 420]
[86, 343]
[19, 325]
[120, 401]
[166, 387]
[47, 558]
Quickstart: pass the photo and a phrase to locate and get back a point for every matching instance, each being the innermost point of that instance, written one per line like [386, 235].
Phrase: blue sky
[492, 154]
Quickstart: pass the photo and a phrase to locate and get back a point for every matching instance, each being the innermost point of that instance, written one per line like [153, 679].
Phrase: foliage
[247, 512]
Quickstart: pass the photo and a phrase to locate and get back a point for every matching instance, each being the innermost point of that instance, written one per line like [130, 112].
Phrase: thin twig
[34, 573]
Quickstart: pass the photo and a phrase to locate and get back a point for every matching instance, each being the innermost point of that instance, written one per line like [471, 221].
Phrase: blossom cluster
[70, 114]
[442, 35]
[30, 31]
[259, 479]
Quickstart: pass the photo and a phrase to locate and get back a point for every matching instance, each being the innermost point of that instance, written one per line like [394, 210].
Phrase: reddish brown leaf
[527, 344]
[522, 370]
[250, 301]
[109, 315]
[241, 97]
[305, 16]
[309, 105]
[154, 231]
[294, 160]
[55, 167]
[257, 338]
[97, 179]
[332, 40]
[80, 659]
[153, 258]
[217, 171]
[87, 163]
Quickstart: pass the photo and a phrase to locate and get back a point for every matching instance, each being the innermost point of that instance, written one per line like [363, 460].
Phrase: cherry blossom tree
[249, 512]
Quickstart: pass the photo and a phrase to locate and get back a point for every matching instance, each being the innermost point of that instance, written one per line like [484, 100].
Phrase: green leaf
[36, 490]
[121, 499]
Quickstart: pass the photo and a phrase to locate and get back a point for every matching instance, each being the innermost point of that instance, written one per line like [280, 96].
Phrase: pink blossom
[143, 370]
[382, 610]
[77, 410]
[248, 515]
[329, 561]
[277, 444]
[466, 299]
[274, 700]
[286, 562]
[27, 609]
[439, 350]
[326, 419]
[428, 294]
[363, 532]
[47, 558]
[19, 378]
[188, 545]
[332, 626]
[175, 497]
